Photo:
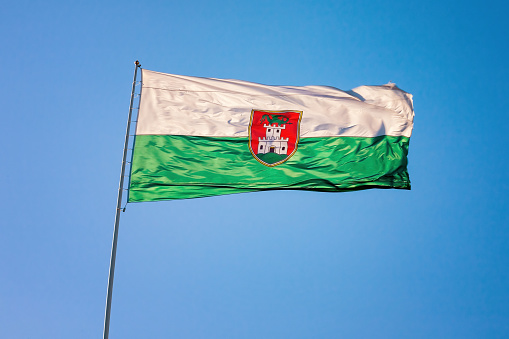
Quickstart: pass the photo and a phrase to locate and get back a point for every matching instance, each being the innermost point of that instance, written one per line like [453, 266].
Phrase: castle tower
[272, 142]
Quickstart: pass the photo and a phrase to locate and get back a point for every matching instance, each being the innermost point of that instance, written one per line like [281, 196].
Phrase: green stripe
[167, 167]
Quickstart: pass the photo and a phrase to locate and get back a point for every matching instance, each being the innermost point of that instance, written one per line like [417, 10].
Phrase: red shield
[273, 135]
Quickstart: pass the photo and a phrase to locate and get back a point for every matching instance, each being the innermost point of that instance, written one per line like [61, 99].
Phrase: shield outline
[296, 140]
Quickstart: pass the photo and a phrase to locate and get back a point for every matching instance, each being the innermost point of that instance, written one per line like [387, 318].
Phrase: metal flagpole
[117, 215]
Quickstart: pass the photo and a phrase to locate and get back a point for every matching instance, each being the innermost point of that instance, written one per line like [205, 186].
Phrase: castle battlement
[273, 138]
[275, 126]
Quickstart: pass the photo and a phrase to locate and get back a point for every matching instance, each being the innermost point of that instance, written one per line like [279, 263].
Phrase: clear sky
[432, 262]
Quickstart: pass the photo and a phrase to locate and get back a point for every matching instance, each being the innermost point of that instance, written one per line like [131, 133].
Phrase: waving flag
[199, 137]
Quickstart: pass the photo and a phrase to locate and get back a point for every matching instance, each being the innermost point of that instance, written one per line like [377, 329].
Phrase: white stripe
[184, 105]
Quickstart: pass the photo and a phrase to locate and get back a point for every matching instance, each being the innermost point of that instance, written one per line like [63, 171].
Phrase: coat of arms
[273, 135]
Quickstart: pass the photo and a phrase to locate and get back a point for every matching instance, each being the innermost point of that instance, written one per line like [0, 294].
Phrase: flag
[198, 137]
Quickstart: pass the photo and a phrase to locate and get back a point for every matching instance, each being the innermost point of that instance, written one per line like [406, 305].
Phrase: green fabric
[167, 167]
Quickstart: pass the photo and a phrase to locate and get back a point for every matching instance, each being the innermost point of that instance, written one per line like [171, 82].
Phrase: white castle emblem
[272, 142]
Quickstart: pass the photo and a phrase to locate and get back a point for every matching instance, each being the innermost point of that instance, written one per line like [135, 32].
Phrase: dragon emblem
[275, 119]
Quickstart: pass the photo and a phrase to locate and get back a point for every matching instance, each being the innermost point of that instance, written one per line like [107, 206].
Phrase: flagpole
[117, 215]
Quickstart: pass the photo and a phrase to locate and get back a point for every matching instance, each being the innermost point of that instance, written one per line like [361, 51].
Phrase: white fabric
[184, 105]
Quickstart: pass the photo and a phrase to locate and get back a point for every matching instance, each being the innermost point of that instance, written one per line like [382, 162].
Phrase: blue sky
[427, 263]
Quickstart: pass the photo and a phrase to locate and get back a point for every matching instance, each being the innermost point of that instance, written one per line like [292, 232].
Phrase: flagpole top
[137, 63]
